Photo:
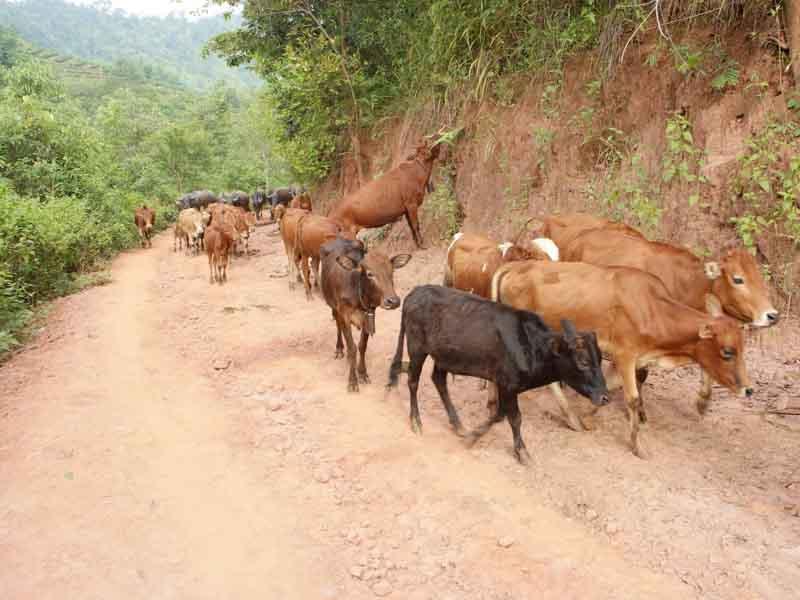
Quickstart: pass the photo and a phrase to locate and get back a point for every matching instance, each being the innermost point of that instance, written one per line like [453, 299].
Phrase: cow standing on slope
[389, 198]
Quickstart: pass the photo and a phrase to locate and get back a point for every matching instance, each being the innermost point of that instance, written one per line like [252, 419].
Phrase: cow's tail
[397, 363]
[497, 283]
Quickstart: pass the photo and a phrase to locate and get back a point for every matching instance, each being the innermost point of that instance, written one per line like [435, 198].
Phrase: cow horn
[569, 330]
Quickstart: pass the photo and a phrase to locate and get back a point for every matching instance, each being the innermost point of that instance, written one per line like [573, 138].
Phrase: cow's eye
[728, 353]
[738, 280]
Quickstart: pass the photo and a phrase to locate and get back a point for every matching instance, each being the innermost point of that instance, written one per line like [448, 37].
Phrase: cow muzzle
[600, 398]
[746, 392]
[391, 303]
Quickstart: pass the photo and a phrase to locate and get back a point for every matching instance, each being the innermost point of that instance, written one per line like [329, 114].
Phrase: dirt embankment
[164, 438]
[561, 146]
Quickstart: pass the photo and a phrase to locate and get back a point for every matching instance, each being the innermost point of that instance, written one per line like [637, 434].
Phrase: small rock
[356, 572]
[380, 573]
[591, 514]
[322, 476]
[382, 588]
[612, 527]
[506, 542]
[221, 364]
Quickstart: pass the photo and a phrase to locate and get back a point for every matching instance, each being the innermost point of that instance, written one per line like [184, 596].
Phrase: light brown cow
[735, 279]
[219, 243]
[287, 223]
[302, 201]
[312, 232]
[562, 229]
[398, 193]
[236, 218]
[145, 218]
[189, 229]
[637, 322]
[472, 259]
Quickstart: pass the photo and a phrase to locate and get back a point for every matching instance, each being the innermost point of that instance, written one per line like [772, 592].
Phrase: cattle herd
[520, 315]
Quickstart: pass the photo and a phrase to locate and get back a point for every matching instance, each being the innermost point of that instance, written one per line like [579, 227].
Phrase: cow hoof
[702, 406]
[522, 456]
[338, 354]
[460, 431]
[639, 452]
[416, 426]
[363, 378]
[352, 387]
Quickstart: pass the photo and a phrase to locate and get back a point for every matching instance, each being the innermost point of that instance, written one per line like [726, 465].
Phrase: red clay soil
[165, 438]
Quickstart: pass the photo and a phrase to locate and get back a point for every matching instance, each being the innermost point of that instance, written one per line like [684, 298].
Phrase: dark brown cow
[219, 240]
[398, 193]
[472, 259]
[287, 223]
[735, 279]
[145, 218]
[562, 229]
[354, 284]
[311, 233]
[637, 322]
[302, 201]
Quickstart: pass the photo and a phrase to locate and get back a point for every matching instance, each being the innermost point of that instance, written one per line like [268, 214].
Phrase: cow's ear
[556, 342]
[400, 260]
[706, 332]
[712, 270]
[346, 262]
[713, 306]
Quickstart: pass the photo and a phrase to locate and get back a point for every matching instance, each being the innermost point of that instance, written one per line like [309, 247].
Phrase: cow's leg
[494, 417]
[362, 362]
[339, 342]
[440, 381]
[414, 370]
[632, 401]
[573, 421]
[315, 267]
[704, 395]
[210, 268]
[509, 399]
[344, 325]
[413, 223]
[307, 279]
[641, 377]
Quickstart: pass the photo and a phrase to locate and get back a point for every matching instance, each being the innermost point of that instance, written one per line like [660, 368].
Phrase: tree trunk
[792, 8]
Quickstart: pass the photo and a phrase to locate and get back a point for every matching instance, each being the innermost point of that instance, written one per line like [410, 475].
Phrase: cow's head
[741, 289]
[376, 277]
[278, 212]
[720, 349]
[579, 363]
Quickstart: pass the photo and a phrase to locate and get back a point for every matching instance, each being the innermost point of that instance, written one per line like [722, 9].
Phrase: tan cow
[145, 218]
[637, 322]
[735, 279]
[189, 229]
[312, 232]
[287, 219]
[302, 201]
[472, 259]
[562, 229]
[398, 193]
[219, 243]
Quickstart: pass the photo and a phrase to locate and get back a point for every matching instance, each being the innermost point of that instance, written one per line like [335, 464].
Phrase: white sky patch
[162, 8]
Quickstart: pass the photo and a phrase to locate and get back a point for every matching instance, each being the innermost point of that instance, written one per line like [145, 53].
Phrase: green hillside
[167, 48]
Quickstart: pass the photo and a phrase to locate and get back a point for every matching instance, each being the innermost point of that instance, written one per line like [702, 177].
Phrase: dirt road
[164, 438]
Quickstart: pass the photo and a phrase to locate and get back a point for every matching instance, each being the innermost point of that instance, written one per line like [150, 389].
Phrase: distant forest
[171, 45]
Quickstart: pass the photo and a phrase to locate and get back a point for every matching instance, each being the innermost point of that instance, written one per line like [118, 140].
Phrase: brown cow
[637, 322]
[398, 193]
[472, 259]
[219, 239]
[236, 218]
[354, 284]
[562, 229]
[287, 223]
[311, 233]
[735, 279]
[302, 201]
[145, 218]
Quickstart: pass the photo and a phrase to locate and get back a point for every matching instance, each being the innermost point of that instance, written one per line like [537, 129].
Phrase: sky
[157, 7]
